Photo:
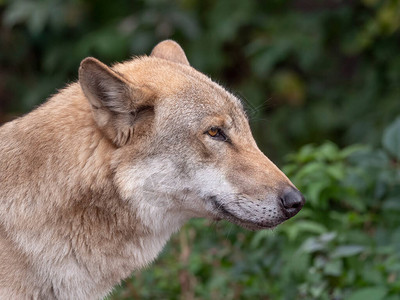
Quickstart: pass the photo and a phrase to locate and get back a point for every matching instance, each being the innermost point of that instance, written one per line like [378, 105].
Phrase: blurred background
[321, 83]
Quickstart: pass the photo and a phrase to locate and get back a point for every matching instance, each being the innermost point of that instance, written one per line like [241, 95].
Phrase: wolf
[95, 181]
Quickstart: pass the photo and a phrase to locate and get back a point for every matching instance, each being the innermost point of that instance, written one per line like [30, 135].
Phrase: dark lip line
[220, 207]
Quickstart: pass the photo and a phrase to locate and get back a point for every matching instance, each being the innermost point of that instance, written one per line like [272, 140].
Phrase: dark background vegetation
[325, 74]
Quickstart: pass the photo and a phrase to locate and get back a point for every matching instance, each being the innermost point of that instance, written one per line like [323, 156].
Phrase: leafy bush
[344, 244]
[308, 71]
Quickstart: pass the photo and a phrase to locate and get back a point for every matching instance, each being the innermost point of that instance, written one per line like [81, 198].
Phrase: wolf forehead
[171, 81]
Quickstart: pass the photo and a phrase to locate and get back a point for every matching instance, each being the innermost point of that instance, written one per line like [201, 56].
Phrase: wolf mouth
[224, 213]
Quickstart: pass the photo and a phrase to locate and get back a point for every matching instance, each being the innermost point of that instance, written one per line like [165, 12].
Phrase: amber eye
[213, 132]
[217, 134]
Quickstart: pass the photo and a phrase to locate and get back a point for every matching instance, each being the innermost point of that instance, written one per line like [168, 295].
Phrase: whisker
[230, 230]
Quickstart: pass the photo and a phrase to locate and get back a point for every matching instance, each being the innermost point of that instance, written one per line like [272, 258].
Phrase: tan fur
[95, 180]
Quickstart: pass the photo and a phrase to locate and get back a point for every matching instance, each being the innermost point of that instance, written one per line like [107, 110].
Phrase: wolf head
[183, 144]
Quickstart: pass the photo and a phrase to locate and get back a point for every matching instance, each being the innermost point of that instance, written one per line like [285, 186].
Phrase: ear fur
[170, 50]
[115, 102]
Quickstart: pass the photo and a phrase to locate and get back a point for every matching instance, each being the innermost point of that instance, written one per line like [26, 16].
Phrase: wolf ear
[115, 102]
[170, 50]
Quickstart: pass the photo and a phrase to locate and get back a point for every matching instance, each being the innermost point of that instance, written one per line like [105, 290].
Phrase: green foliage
[344, 244]
[391, 139]
[308, 71]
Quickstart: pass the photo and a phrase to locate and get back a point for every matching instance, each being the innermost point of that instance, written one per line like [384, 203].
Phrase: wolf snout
[292, 202]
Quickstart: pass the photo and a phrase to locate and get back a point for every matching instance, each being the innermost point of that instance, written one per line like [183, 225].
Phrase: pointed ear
[115, 102]
[170, 50]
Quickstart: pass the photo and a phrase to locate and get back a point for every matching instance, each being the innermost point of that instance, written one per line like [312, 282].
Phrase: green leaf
[337, 171]
[314, 191]
[392, 204]
[334, 268]
[259, 237]
[370, 293]
[305, 154]
[328, 151]
[304, 226]
[328, 237]
[353, 149]
[310, 169]
[391, 139]
[348, 250]
[312, 245]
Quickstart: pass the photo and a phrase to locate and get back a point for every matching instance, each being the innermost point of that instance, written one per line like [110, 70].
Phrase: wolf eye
[217, 133]
[213, 132]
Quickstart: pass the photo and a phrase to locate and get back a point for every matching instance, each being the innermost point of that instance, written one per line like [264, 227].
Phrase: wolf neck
[64, 212]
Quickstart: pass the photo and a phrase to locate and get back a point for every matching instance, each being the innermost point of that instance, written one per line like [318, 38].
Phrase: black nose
[292, 201]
